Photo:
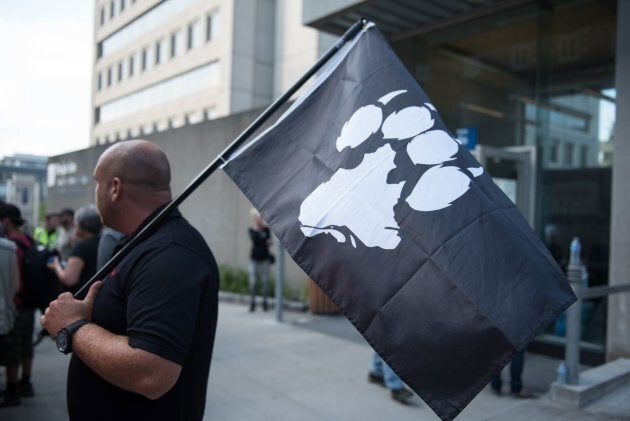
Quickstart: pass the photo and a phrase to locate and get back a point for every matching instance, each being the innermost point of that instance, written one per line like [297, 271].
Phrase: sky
[45, 76]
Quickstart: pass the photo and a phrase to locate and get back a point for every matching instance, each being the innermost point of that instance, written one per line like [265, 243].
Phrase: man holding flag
[374, 199]
[142, 338]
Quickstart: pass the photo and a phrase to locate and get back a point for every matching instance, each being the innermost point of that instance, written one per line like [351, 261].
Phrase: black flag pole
[218, 161]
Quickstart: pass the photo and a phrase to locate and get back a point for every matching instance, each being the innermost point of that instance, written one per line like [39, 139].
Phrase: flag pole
[218, 161]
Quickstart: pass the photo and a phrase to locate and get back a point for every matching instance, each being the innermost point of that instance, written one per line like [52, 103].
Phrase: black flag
[401, 227]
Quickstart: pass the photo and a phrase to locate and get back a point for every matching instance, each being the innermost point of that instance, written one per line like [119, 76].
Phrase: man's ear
[115, 189]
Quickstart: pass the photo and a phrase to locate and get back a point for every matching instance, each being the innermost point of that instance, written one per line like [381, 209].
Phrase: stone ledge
[594, 383]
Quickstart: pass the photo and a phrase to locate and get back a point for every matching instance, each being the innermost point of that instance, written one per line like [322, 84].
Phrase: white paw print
[360, 198]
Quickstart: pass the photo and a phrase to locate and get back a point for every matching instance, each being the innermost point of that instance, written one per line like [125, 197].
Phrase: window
[189, 83]
[120, 70]
[149, 57]
[568, 154]
[212, 26]
[191, 33]
[99, 81]
[112, 9]
[209, 19]
[210, 113]
[553, 150]
[147, 22]
[102, 16]
[131, 63]
[122, 5]
[173, 44]
[109, 76]
[25, 195]
[584, 156]
[143, 65]
[194, 32]
[158, 51]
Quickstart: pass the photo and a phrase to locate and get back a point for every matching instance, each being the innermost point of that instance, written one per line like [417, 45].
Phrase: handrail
[596, 292]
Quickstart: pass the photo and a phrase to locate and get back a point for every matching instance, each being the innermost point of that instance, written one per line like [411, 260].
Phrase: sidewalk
[310, 368]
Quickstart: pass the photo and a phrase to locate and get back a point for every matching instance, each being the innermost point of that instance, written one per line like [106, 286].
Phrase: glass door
[512, 169]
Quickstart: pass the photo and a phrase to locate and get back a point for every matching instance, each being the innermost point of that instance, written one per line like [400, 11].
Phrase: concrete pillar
[618, 334]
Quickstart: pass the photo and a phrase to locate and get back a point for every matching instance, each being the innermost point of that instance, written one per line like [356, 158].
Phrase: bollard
[279, 281]
[576, 277]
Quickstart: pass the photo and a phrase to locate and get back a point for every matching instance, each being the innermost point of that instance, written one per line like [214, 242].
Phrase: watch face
[62, 341]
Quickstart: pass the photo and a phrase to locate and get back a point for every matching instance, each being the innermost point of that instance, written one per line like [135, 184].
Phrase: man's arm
[70, 275]
[109, 355]
[132, 369]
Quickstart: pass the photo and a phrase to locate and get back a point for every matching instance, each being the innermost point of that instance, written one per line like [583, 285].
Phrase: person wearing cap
[22, 334]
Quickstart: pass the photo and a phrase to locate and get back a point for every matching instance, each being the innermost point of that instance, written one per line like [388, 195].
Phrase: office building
[166, 64]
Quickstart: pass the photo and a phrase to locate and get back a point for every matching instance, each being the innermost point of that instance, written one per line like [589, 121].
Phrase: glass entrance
[536, 85]
[512, 169]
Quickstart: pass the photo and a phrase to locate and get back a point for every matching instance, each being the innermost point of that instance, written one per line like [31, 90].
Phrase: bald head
[138, 163]
[132, 180]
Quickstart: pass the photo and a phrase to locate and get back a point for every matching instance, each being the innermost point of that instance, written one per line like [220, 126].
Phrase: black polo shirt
[163, 296]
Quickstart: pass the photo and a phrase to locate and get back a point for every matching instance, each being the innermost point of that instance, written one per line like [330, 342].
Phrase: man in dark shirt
[145, 350]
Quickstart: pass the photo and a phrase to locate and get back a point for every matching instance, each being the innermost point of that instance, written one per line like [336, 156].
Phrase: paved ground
[311, 368]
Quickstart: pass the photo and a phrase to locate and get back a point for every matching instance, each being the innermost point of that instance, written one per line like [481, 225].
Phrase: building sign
[467, 136]
[65, 174]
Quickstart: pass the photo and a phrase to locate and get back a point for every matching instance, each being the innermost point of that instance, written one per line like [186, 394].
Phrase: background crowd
[36, 265]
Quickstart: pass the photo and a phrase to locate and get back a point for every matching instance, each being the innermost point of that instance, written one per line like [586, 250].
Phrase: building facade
[535, 86]
[543, 87]
[166, 64]
[23, 183]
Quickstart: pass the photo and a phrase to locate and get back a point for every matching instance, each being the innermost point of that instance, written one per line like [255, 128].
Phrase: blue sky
[45, 75]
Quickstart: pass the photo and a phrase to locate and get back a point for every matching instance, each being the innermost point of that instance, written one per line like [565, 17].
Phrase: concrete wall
[252, 54]
[618, 335]
[217, 208]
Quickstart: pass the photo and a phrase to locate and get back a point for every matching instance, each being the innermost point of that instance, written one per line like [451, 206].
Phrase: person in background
[9, 283]
[552, 243]
[259, 258]
[47, 235]
[142, 338]
[21, 353]
[516, 382]
[81, 263]
[65, 233]
[107, 244]
[380, 373]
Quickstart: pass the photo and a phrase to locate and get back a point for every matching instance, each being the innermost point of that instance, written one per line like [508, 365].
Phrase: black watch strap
[64, 337]
[74, 326]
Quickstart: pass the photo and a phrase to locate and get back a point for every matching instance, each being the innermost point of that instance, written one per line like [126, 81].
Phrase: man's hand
[66, 309]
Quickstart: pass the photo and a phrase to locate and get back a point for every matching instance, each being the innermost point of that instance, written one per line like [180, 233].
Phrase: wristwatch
[64, 336]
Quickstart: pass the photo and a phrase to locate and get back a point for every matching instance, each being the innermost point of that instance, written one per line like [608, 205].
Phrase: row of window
[109, 11]
[158, 126]
[177, 43]
[180, 86]
[568, 159]
[143, 24]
